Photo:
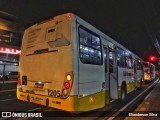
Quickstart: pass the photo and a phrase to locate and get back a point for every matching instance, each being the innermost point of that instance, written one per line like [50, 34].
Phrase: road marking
[7, 99]
[33, 109]
[7, 90]
[122, 109]
[5, 82]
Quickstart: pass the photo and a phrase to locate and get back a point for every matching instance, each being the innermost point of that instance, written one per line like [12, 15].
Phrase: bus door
[135, 72]
[105, 49]
[113, 79]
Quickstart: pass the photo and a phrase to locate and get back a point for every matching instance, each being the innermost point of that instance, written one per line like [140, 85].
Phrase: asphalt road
[9, 103]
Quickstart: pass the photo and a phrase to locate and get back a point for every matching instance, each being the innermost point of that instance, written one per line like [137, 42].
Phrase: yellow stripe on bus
[71, 104]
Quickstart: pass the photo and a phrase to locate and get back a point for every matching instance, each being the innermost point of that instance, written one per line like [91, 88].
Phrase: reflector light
[65, 92]
[68, 77]
[91, 99]
[19, 81]
[69, 16]
[83, 95]
[67, 85]
[147, 75]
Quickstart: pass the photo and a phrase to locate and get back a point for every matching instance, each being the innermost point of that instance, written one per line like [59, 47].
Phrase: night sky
[133, 23]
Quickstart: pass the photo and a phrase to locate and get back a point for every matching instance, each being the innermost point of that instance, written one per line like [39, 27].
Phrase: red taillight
[19, 82]
[67, 85]
[147, 75]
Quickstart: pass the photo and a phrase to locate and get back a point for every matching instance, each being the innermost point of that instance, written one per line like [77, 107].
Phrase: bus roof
[75, 17]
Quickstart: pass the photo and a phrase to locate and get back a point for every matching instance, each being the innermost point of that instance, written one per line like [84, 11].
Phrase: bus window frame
[92, 33]
[131, 60]
[124, 57]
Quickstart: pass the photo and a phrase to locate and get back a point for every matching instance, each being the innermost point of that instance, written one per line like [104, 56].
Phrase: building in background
[11, 32]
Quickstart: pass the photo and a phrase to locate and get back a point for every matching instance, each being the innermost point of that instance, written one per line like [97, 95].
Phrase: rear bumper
[73, 104]
[68, 104]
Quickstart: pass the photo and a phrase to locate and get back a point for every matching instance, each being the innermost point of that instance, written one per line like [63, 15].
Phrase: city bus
[68, 64]
[149, 71]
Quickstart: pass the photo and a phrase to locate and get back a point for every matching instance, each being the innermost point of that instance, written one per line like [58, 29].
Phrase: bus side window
[120, 57]
[135, 67]
[112, 64]
[90, 47]
[129, 60]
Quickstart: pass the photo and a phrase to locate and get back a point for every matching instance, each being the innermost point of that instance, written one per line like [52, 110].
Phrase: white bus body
[68, 64]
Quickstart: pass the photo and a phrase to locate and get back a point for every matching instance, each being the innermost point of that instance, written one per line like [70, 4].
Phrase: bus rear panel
[45, 69]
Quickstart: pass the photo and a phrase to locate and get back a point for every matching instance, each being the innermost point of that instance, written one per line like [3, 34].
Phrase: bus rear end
[147, 72]
[45, 68]
[147, 76]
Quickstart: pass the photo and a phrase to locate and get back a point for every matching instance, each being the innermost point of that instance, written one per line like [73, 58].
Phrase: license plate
[37, 85]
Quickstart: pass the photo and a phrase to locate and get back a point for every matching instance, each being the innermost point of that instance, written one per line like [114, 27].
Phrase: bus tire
[123, 91]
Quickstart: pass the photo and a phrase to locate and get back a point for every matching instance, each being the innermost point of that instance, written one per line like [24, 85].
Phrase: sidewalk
[149, 109]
